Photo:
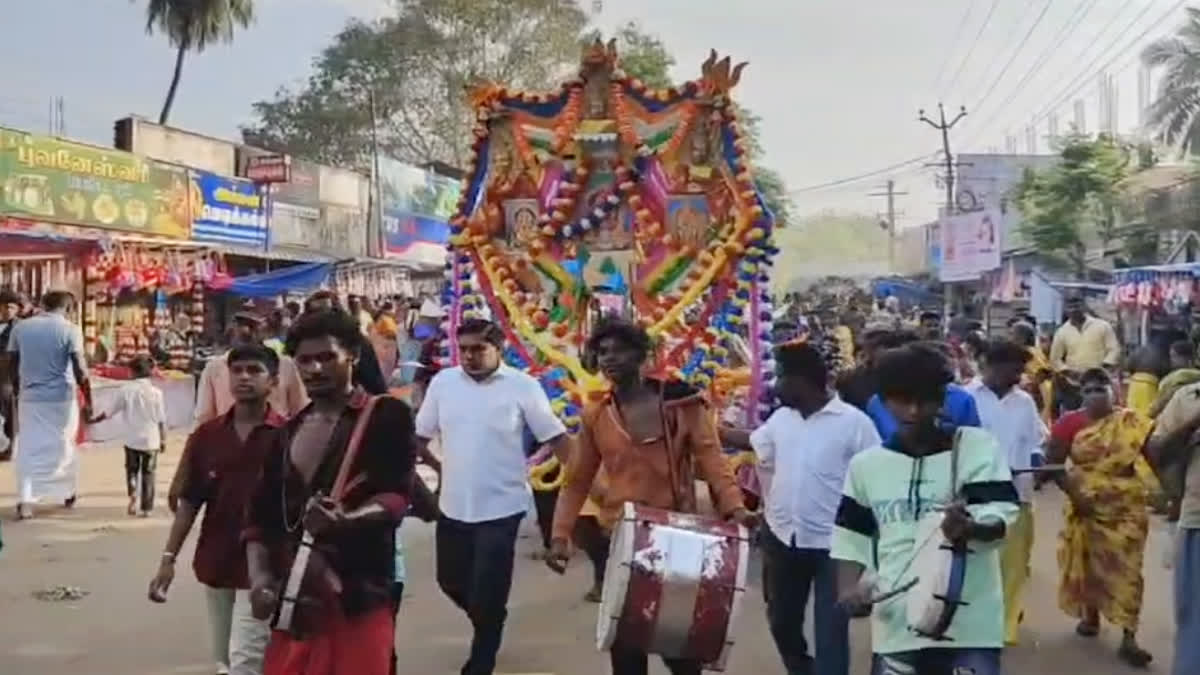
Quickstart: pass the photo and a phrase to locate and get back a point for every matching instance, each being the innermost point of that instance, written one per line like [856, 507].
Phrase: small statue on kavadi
[606, 196]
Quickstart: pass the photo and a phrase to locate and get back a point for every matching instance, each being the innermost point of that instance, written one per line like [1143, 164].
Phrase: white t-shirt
[1018, 428]
[481, 427]
[802, 466]
[142, 404]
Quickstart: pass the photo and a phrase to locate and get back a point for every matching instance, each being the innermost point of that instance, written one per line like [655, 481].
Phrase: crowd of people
[304, 470]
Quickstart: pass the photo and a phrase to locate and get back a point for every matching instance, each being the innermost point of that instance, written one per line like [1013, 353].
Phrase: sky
[838, 83]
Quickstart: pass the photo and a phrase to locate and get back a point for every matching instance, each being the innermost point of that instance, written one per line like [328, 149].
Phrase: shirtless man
[353, 633]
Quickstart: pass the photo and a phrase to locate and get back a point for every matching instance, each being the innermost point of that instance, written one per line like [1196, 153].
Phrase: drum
[673, 585]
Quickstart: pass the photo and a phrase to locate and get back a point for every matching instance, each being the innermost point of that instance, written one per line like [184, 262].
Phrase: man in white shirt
[803, 451]
[1011, 415]
[50, 366]
[479, 411]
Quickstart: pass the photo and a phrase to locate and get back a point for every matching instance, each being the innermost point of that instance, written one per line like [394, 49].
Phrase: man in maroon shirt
[224, 457]
[348, 627]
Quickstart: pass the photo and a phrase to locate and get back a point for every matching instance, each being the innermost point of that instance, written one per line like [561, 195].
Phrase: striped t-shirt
[886, 493]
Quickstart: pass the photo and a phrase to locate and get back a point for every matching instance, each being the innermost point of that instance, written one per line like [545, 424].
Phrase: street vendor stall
[1155, 300]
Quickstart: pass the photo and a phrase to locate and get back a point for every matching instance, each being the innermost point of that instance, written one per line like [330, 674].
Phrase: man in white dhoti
[50, 363]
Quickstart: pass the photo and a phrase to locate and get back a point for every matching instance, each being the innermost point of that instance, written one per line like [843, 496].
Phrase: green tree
[412, 69]
[193, 25]
[1076, 200]
[1175, 112]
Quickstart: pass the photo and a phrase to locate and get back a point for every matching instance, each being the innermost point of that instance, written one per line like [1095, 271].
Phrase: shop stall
[1156, 300]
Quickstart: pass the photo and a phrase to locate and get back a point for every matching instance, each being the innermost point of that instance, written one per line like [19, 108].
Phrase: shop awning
[1149, 272]
[294, 279]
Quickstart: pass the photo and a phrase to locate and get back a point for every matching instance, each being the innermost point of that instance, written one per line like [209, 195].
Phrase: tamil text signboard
[229, 211]
[49, 179]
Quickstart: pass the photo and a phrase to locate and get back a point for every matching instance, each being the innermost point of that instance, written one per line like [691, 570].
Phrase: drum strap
[352, 448]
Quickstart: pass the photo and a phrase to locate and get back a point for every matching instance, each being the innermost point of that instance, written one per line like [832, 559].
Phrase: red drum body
[673, 585]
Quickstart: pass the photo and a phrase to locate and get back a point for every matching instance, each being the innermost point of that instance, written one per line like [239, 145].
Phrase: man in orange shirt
[646, 435]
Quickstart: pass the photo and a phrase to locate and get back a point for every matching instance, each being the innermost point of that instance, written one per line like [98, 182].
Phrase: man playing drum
[956, 475]
[646, 434]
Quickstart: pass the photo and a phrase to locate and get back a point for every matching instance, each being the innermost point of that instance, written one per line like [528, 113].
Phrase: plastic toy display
[606, 196]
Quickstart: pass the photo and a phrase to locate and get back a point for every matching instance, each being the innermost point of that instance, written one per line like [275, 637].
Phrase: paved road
[115, 631]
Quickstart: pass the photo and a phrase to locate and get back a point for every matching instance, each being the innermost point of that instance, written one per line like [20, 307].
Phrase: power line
[962, 64]
[962, 23]
[861, 176]
[1016, 52]
[1088, 73]
[1082, 10]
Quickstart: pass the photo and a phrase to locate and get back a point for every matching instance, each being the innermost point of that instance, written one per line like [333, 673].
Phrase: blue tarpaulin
[297, 278]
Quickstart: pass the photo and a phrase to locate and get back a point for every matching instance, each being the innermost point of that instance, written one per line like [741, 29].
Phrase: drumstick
[1045, 468]
[895, 591]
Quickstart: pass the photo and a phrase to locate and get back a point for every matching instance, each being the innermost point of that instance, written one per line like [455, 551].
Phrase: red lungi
[361, 645]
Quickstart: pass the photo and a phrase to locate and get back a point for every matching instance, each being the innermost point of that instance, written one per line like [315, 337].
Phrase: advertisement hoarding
[416, 206]
[970, 245]
[45, 178]
[228, 211]
[988, 181]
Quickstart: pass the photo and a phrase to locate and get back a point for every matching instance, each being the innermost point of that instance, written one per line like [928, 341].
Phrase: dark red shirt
[221, 474]
[364, 558]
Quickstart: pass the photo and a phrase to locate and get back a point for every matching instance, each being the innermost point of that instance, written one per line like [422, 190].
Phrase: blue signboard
[229, 211]
[416, 206]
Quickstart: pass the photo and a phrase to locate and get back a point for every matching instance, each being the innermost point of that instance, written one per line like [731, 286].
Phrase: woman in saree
[1101, 545]
[1038, 378]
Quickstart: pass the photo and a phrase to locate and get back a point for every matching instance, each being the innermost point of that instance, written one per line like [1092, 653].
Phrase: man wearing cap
[214, 395]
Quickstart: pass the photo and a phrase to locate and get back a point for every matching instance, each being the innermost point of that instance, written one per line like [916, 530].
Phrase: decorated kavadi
[606, 196]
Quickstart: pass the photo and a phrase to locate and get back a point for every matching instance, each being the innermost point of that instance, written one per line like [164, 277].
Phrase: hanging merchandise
[1169, 288]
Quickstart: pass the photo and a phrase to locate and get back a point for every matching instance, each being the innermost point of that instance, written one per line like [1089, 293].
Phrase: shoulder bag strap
[348, 460]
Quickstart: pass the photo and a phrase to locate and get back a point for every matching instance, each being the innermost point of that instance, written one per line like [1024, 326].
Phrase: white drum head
[616, 578]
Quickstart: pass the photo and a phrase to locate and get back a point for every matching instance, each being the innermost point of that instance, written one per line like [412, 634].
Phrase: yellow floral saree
[1100, 555]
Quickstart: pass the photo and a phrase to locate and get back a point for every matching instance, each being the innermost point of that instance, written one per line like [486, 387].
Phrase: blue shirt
[45, 344]
[958, 410]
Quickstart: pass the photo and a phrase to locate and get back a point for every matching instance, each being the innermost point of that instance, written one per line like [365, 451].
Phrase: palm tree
[1174, 114]
[194, 25]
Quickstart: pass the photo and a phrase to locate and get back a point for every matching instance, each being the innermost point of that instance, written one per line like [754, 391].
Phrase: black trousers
[474, 570]
[543, 503]
[139, 476]
[790, 576]
[594, 542]
[634, 662]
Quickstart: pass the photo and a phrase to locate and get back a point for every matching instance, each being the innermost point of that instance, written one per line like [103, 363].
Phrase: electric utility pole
[949, 299]
[943, 126]
[890, 223]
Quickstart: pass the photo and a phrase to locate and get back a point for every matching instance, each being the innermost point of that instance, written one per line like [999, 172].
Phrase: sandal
[1132, 654]
[1087, 629]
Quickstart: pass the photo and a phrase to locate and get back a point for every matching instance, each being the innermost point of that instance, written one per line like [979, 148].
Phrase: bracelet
[168, 556]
